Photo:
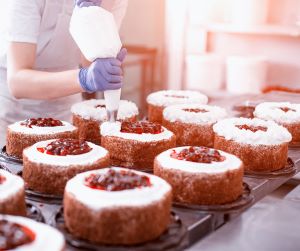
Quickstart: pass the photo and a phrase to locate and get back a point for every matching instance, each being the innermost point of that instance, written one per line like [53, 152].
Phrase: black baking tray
[174, 238]
[8, 158]
[240, 204]
[289, 170]
[198, 223]
[34, 213]
[9, 163]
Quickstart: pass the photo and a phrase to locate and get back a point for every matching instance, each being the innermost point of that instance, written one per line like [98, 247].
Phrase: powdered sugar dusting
[11, 186]
[177, 113]
[174, 97]
[274, 135]
[88, 158]
[101, 199]
[47, 238]
[230, 163]
[36, 130]
[113, 129]
[273, 111]
[87, 110]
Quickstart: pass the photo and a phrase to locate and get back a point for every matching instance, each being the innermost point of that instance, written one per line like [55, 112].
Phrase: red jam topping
[175, 96]
[117, 180]
[13, 235]
[199, 154]
[141, 127]
[63, 147]
[2, 179]
[42, 122]
[252, 128]
[195, 110]
[286, 109]
[100, 106]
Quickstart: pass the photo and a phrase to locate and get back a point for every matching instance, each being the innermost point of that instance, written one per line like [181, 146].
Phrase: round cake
[89, 115]
[117, 205]
[135, 144]
[48, 165]
[200, 175]
[261, 145]
[22, 234]
[158, 101]
[26, 133]
[12, 194]
[192, 123]
[283, 113]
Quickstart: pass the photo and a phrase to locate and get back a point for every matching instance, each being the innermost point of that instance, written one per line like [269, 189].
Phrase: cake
[26, 133]
[117, 206]
[88, 115]
[12, 194]
[135, 144]
[22, 234]
[261, 145]
[192, 123]
[283, 113]
[48, 165]
[200, 175]
[157, 101]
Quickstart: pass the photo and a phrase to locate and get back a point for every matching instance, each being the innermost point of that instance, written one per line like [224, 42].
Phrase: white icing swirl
[275, 134]
[168, 97]
[230, 163]
[12, 185]
[272, 111]
[89, 158]
[101, 199]
[114, 129]
[175, 113]
[87, 110]
[37, 130]
[46, 239]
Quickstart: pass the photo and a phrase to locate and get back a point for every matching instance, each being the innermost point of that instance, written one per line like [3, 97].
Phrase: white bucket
[204, 72]
[249, 12]
[246, 74]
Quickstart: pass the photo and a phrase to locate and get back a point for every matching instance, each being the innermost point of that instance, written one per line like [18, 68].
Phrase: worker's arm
[25, 82]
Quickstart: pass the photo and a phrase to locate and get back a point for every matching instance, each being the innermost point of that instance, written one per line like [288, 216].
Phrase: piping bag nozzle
[112, 101]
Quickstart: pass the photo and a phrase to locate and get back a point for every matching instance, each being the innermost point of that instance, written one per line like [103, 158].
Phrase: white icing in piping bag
[112, 100]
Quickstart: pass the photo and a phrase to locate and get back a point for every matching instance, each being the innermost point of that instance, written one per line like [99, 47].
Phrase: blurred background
[217, 46]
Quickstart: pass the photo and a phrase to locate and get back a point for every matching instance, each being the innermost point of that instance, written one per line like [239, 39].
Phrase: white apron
[59, 54]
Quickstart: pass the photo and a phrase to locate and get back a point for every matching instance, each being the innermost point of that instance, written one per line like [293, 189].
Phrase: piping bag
[96, 34]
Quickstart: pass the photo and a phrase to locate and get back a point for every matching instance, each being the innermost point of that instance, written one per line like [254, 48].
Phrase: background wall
[208, 29]
[143, 23]
[282, 52]
[143, 26]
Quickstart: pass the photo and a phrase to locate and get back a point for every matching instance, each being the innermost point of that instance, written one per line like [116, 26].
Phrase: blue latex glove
[87, 3]
[103, 74]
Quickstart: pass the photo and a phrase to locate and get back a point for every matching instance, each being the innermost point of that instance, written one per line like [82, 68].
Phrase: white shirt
[34, 21]
[46, 24]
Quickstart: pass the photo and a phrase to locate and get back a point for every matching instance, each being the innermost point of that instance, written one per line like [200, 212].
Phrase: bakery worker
[39, 74]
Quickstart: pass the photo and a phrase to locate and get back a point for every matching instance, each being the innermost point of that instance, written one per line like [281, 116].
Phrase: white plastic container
[249, 12]
[96, 33]
[204, 72]
[246, 74]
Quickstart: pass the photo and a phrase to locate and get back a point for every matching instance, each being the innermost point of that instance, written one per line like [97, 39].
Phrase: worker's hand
[103, 74]
[87, 3]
